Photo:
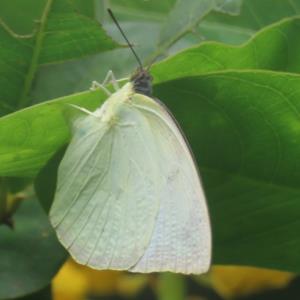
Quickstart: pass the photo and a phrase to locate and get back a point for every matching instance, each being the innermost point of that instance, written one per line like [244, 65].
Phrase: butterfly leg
[110, 78]
[83, 110]
[96, 85]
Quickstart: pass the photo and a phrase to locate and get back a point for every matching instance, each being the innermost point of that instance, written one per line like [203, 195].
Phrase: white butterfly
[129, 196]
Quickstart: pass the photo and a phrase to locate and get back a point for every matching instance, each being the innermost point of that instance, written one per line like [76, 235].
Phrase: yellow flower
[75, 282]
[233, 281]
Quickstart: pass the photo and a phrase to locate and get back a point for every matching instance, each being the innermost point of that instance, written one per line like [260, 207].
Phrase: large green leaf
[30, 255]
[85, 7]
[29, 137]
[69, 35]
[126, 9]
[21, 15]
[190, 13]
[274, 48]
[61, 34]
[243, 127]
[44, 294]
[254, 15]
[14, 66]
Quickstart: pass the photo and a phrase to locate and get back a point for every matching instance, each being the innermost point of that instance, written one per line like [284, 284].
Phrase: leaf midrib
[24, 99]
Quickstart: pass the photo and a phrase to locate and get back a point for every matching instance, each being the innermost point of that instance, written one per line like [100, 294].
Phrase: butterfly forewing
[107, 199]
[181, 241]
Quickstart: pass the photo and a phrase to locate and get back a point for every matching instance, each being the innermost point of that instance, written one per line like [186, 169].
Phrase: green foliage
[238, 105]
[29, 254]
[243, 127]
[190, 13]
[61, 34]
[254, 15]
[30, 137]
[274, 48]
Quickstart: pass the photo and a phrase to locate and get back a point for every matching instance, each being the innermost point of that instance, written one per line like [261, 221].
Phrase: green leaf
[244, 127]
[254, 15]
[61, 34]
[45, 182]
[21, 20]
[190, 13]
[85, 7]
[69, 35]
[14, 64]
[32, 144]
[44, 294]
[75, 76]
[137, 17]
[274, 48]
[154, 9]
[229, 6]
[30, 255]
[31, 136]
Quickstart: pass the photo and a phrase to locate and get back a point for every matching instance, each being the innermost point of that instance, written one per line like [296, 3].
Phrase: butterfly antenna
[124, 36]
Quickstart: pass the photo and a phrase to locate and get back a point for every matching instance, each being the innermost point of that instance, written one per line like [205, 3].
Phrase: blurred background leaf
[254, 15]
[273, 48]
[30, 254]
[60, 34]
[45, 181]
[44, 294]
[185, 17]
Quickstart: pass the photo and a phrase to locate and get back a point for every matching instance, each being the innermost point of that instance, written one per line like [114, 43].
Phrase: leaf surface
[243, 125]
[30, 255]
[61, 34]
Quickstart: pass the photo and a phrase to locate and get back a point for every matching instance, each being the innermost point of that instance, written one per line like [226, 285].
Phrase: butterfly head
[141, 80]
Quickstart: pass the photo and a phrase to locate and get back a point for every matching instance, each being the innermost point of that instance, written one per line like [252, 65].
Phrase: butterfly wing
[129, 195]
[181, 241]
[106, 202]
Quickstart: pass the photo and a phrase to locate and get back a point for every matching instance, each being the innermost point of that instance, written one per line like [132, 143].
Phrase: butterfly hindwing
[106, 202]
[181, 241]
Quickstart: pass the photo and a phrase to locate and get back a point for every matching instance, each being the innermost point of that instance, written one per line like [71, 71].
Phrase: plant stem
[164, 46]
[12, 33]
[171, 287]
[24, 98]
